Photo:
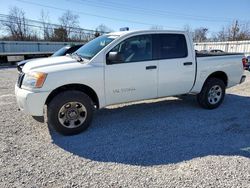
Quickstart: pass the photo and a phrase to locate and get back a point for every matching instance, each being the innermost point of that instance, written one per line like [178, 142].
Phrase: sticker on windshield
[102, 43]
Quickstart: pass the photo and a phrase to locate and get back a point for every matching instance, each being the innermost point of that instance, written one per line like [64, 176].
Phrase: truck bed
[198, 54]
[229, 63]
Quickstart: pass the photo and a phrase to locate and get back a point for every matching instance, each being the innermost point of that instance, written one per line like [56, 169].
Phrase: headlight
[34, 80]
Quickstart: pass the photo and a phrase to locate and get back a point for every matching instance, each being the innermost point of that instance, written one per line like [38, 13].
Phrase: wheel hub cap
[72, 114]
[215, 94]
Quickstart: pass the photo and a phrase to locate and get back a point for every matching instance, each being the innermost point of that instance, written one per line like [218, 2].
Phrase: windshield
[61, 51]
[90, 49]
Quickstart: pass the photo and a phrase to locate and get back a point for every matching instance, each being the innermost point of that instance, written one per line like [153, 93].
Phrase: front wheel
[70, 112]
[39, 119]
[212, 93]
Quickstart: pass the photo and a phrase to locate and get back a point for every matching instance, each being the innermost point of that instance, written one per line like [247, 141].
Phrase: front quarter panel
[89, 75]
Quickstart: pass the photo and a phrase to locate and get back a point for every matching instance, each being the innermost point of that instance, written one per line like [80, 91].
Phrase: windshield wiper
[77, 56]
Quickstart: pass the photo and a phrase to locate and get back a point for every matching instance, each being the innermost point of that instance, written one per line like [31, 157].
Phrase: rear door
[176, 65]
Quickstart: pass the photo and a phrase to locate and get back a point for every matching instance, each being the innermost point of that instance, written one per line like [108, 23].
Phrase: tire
[212, 93]
[70, 112]
[39, 119]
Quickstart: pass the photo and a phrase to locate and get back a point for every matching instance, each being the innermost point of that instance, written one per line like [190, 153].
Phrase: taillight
[244, 61]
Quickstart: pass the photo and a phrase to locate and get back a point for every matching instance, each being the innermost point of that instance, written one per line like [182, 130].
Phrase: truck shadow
[164, 132]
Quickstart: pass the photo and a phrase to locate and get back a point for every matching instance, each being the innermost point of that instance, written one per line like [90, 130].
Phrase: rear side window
[172, 46]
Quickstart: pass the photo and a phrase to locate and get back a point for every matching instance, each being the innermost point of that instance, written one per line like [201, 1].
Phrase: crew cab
[122, 67]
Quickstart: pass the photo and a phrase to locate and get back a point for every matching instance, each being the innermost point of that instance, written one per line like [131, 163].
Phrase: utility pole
[235, 30]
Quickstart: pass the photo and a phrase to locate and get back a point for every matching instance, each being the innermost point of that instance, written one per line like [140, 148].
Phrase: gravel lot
[158, 143]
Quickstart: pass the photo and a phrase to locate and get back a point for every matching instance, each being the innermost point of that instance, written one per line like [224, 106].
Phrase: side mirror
[114, 58]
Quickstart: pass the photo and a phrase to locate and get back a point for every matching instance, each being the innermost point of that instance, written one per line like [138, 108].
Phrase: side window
[173, 46]
[134, 49]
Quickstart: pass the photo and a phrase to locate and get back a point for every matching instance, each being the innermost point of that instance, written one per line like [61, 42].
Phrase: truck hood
[51, 63]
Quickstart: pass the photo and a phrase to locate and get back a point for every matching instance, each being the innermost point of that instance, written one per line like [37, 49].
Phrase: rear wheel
[70, 112]
[212, 93]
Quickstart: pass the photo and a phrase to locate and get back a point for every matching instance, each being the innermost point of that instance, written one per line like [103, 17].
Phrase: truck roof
[121, 33]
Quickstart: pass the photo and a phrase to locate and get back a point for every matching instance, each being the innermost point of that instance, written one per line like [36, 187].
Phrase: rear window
[173, 46]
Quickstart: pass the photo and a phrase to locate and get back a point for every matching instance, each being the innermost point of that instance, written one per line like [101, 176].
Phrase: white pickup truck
[121, 67]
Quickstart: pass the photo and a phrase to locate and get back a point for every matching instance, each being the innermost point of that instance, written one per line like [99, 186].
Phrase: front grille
[20, 79]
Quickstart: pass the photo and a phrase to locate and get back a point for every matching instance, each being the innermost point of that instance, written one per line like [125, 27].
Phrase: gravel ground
[158, 143]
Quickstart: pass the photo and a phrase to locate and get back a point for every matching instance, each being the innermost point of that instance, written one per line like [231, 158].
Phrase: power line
[36, 26]
[153, 12]
[52, 25]
[93, 15]
[223, 19]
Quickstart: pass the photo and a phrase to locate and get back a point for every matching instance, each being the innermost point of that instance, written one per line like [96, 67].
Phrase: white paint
[127, 81]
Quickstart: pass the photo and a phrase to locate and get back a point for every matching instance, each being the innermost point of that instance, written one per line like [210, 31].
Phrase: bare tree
[97, 33]
[233, 32]
[222, 35]
[200, 34]
[60, 34]
[103, 29]
[81, 35]
[46, 26]
[69, 22]
[240, 31]
[16, 24]
[244, 33]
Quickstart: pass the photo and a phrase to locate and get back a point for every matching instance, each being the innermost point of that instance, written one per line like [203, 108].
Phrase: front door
[135, 76]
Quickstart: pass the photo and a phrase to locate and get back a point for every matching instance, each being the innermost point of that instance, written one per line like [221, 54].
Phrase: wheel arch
[219, 75]
[77, 87]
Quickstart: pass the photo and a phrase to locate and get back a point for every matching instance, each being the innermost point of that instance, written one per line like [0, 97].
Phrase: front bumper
[31, 103]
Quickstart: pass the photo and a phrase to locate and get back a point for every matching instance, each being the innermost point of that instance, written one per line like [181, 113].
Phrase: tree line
[16, 26]
[235, 31]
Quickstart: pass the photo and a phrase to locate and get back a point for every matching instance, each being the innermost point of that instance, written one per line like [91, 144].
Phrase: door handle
[187, 63]
[151, 67]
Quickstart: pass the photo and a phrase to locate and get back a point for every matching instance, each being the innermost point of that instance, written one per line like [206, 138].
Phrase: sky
[138, 14]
